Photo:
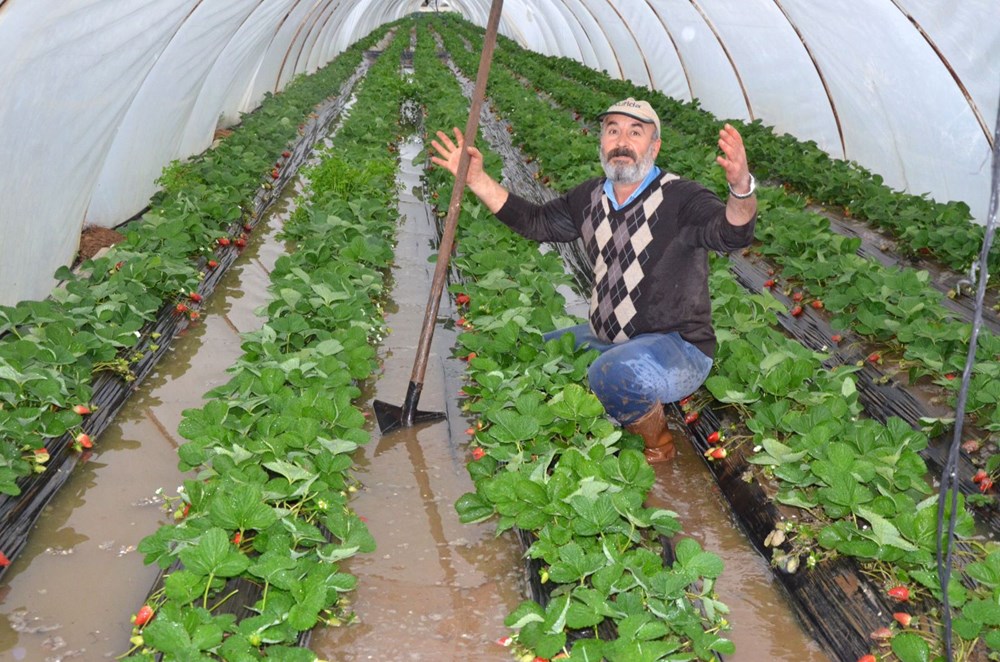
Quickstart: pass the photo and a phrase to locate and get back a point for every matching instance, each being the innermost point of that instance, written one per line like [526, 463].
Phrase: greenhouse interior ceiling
[101, 95]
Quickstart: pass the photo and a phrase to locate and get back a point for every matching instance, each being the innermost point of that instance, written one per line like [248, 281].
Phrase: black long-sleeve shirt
[650, 258]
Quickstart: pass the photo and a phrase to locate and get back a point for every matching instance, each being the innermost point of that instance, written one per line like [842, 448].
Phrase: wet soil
[94, 238]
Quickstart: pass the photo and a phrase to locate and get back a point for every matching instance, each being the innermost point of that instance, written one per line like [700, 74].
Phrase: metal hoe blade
[390, 417]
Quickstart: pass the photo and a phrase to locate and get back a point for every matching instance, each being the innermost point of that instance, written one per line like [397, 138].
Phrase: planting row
[268, 514]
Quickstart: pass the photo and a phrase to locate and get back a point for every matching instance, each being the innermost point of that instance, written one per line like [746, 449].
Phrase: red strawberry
[903, 618]
[986, 485]
[796, 311]
[82, 410]
[462, 299]
[836, 337]
[247, 227]
[505, 641]
[471, 356]
[875, 357]
[717, 453]
[817, 304]
[181, 308]
[950, 376]
[867, 658]
[84, 440]
[691, 418]
[714, 438]
[478, 453]
[769, 283]
[212, 264]
[240, 242]
[194, 296]
[194, 314]
[223, 241]
[237, 538]
[286, 154]
[275, 174]
[461, 321]
[979, 476]
[881, 633]
[685, 401]
[4, 561]
[470, 431]
[797, 297]
[143, 616]
[900, 593]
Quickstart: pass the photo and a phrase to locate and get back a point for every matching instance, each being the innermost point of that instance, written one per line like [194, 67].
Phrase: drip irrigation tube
[949, 476]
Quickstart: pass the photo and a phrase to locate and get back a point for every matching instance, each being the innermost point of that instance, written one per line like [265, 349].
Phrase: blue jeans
[630, 378]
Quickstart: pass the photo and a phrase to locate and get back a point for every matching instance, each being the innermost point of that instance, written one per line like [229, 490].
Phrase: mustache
[622, 151]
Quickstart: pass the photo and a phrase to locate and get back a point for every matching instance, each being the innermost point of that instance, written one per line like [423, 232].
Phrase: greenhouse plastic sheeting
[100, 95]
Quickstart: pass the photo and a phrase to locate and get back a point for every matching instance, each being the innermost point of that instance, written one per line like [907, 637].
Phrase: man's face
[628, 149]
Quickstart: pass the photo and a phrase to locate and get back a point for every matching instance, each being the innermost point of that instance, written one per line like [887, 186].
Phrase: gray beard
[626, 173]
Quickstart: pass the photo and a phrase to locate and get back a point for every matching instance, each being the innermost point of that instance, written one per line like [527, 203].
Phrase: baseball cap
[639, 109]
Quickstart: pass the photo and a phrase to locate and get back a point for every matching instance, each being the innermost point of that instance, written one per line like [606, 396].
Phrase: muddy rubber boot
[652, 427]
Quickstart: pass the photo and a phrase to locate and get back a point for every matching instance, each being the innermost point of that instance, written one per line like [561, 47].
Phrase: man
[648, 234]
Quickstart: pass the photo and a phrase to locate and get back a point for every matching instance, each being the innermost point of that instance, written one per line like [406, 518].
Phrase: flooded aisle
[70, 593]
[434, 589]
[764, 628]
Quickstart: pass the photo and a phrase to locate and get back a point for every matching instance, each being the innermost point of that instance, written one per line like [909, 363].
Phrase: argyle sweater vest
[650, 258]
[618, 244]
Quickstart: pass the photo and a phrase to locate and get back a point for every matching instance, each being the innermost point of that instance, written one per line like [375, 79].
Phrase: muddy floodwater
[434, 589]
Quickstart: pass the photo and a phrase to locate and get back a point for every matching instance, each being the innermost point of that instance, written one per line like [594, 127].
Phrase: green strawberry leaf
[910, 647]
[214, 555]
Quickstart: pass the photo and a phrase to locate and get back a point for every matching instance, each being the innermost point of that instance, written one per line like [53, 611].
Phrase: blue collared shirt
[610, 191]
